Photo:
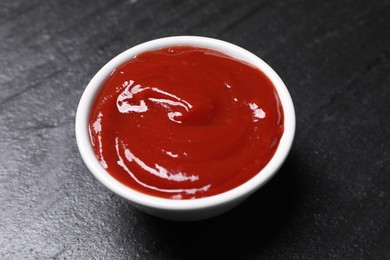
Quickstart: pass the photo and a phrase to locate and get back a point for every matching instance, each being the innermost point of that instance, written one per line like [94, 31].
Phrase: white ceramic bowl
[196, 209]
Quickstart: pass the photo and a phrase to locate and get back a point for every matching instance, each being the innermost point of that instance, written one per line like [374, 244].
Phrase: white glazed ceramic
[196, 209]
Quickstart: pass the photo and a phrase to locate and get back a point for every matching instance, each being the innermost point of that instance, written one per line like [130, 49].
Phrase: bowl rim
[149, 201]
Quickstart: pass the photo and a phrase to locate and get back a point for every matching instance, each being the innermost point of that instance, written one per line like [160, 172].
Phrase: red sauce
[185, 122]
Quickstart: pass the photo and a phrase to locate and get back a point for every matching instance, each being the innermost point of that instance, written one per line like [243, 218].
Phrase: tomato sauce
[185, 122]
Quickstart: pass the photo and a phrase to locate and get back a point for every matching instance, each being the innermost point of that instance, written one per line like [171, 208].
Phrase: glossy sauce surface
[185, 122]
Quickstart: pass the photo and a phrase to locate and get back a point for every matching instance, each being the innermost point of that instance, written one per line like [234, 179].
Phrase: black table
[331, 199]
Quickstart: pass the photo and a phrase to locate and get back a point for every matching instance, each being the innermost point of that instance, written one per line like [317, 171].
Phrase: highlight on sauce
[185, 122]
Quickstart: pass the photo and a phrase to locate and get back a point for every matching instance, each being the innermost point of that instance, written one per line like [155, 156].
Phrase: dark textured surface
[331, 200]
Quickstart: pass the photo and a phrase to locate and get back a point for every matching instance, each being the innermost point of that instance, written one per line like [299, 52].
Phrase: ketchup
[185, 122]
